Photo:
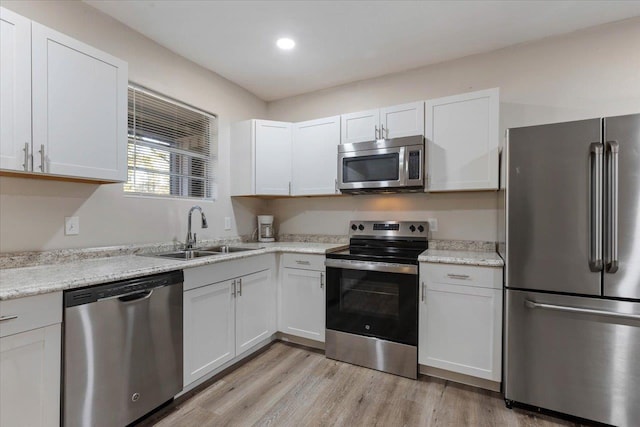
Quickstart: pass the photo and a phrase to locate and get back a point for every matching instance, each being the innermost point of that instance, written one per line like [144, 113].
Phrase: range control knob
[412, 228]
[354, 227]
[420, 228]
[361, 227]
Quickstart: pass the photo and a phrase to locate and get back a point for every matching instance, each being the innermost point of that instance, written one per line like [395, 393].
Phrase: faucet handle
[195, 239]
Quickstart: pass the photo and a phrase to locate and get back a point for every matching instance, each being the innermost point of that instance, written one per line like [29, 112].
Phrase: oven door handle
[372, 266]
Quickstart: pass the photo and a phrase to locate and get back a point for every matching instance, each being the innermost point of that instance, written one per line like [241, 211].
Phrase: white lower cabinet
[460, 320]
[303, 303]
[30, 351]
[225, 318]
[255, 309]
[209, 329]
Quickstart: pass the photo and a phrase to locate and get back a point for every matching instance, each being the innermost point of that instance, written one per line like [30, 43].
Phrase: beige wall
[32, 212]
[591, 73]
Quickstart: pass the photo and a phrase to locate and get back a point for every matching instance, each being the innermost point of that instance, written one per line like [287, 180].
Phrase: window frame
[212, 158]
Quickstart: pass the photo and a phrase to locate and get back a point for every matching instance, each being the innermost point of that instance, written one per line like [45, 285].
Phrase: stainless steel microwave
[385, 165]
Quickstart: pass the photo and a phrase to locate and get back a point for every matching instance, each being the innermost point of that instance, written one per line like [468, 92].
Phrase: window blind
[171, 148]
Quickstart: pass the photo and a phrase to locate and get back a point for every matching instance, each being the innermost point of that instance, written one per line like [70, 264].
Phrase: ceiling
[339, 42]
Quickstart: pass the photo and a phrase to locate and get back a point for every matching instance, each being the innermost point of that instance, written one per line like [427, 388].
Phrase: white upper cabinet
[402, 120]
[70, 96]
[79, 108]
[314, 164]
[361, 126]
[462, 137]
[15, 91]
[261, 158]
[389, 122]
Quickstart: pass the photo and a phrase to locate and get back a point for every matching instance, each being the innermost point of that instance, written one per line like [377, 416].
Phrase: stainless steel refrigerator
[572, 280]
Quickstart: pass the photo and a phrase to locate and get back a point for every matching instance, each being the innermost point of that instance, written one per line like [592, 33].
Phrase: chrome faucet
[191, 239]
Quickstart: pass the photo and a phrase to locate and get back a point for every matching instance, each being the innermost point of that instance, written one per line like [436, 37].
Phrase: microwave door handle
[404, 165]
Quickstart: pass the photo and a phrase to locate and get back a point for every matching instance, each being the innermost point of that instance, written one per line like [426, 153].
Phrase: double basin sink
[202, 252]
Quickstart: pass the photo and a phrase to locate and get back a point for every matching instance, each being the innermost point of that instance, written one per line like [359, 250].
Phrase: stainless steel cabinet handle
[595, 246]
[233, 289]
[5, 318]
[239, 287]
[303, 262]
[532, 304]
[377, 132]
[458, 276]
[382, 132]
[422, 289]
[289, 187]
[612, 149]
[25, 165]
[41, 157]
[321, 280]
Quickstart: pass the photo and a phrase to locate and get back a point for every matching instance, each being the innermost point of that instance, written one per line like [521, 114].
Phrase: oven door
[373, 299]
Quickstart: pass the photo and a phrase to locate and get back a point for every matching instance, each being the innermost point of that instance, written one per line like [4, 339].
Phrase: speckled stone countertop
[478, 258]
[27, 281]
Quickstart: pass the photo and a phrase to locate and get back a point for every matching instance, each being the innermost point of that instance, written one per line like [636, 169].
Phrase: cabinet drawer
[483, 277]
[303, 261]
[24, 314]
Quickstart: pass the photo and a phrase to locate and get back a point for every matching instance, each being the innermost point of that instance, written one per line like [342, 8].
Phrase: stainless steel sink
[225, 249]
[186, 255]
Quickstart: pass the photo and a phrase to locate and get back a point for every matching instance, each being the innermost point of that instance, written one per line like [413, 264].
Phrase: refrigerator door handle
[595, 245]
[532, 305]
[612, 148]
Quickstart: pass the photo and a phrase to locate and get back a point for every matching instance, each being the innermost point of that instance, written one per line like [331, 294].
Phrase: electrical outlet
[71, 225]
[433, 224]
[227, 223]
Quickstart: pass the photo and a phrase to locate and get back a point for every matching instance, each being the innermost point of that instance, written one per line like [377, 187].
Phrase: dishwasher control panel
[122, 288]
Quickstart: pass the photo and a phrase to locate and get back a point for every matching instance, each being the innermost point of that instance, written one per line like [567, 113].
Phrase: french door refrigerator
[572, 281]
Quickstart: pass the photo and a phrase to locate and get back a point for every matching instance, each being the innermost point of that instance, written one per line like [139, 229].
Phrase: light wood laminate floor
[289, 385]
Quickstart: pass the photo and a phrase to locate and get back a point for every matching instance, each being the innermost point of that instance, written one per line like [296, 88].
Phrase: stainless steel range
[372, 296]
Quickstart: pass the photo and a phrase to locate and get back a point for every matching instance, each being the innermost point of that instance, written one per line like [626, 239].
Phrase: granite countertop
[27, 281]
[478, 258]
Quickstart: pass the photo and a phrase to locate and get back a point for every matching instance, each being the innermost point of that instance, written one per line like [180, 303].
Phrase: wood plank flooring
[289, 385]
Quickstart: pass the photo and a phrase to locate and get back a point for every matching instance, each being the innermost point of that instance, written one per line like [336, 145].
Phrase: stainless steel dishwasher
[122, 349]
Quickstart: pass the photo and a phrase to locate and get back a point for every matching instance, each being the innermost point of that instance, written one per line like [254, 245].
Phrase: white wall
[32, 211]
[590, 73]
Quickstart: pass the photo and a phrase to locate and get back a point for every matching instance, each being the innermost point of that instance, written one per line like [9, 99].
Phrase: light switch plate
[227, 223]
[433, 224]
[71, 225]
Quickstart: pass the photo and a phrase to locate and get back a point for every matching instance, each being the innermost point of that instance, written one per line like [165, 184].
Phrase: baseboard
[460, 378]
[319, 345]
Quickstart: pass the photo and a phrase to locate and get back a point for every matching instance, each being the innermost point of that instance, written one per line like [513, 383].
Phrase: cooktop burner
[385, 241]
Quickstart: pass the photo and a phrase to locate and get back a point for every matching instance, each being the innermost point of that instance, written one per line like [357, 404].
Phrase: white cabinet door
[79, 108]
[273, 157]
[360, 126]
[30, 378]
[462, 137]
[255, 309]
[303, 303]
[15, 91]
[209, 329]
[315, 150]
[460, 330]
[403, 120]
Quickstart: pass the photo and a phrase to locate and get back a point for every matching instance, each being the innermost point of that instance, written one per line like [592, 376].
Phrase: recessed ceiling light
[285, 43]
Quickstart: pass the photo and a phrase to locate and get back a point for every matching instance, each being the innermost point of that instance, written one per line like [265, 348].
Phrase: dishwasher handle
[136, 296]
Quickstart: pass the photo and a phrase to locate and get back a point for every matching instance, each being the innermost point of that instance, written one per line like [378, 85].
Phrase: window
[171, 149]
